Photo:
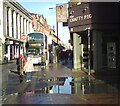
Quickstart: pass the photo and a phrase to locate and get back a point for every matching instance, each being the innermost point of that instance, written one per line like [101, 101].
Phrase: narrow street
[57, 84]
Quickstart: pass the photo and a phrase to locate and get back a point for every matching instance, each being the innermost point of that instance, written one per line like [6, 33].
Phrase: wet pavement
[58, 84]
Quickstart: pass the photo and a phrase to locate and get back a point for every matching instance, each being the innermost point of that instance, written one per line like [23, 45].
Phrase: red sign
[23, 37]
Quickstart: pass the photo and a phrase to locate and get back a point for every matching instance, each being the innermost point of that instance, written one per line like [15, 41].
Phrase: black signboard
[94, 14]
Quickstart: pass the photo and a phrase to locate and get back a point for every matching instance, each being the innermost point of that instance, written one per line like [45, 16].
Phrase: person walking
[43, 59]
[28, 67]
[20, 62]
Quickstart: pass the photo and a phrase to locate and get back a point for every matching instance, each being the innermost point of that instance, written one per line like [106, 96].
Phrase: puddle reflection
[80, 85]
[83, 85]
[62, 88]
[90, 85]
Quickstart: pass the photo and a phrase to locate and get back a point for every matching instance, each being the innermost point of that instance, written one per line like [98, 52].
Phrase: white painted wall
[3, 25]
[1, 31]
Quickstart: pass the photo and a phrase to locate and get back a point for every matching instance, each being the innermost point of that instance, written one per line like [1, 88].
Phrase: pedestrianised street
[57, 84]
[59, 52]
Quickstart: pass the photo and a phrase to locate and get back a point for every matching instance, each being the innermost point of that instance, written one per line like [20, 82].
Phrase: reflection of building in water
[82, 85]
[62, 85]
[77, 87]
[87, 85]
[61, 80]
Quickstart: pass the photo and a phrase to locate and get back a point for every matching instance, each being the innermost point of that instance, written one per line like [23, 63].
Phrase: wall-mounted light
[71, 12]
[84, 9]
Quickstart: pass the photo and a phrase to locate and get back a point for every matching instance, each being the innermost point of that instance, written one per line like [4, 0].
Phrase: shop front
[95, 35]
[13, 47]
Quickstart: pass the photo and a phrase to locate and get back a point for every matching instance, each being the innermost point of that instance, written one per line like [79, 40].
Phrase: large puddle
[83, 85]
[69, 85]
[64, 87]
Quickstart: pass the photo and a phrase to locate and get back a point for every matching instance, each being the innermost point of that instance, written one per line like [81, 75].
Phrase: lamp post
[56, 31]
[56, 25]
[61, 16]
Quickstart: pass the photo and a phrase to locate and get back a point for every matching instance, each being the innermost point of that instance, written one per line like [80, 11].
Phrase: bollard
[18, 65]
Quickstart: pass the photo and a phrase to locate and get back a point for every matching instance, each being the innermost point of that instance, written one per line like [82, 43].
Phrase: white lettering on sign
[78, 18]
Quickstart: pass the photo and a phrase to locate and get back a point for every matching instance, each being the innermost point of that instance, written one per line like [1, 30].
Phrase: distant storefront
[95, 35]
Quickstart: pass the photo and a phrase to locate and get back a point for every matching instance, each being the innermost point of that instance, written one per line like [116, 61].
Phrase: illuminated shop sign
[81, 17]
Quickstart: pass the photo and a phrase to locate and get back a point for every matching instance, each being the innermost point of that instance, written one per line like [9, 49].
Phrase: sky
[42, 7]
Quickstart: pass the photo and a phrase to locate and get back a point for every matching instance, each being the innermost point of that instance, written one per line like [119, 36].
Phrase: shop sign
[94, 14]
[81, 17]
[61, 13]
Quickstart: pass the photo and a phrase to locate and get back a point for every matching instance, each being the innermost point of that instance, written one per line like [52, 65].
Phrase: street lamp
[56, 30]
[61, 16]
[56, 25]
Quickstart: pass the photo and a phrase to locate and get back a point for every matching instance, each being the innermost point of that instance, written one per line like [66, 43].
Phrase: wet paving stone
[62, 99]
[60, 85]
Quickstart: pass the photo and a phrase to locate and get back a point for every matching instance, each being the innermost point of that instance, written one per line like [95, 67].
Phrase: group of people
[66, 56]
[25, 66]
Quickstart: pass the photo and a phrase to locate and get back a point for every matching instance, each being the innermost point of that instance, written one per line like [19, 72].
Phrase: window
[35, 36]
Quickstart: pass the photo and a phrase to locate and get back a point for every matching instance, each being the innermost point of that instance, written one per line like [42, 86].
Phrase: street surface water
[57, 84]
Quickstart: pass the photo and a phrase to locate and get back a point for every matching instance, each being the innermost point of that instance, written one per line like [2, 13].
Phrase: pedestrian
[6, 57]
[43, 63]
[28, 67]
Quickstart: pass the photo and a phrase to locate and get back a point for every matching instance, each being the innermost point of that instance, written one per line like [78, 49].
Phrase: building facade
[15, 21]
[94, 32]
[39, 24]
